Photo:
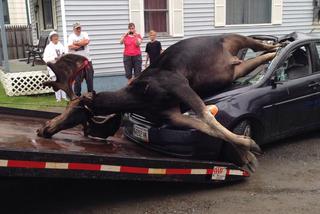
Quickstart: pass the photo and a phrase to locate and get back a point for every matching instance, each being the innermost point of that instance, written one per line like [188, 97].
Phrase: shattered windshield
[254, 76]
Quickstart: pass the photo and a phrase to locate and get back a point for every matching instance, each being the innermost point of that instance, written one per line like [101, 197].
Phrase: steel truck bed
[69, 154]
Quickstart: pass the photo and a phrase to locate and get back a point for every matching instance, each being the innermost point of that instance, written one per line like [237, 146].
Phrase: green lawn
[45, 102]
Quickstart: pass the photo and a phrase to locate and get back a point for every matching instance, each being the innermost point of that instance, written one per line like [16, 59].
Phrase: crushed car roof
[294, 36]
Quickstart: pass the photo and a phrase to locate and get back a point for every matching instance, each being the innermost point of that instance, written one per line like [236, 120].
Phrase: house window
[47, 14]
[248, 11]
[5, 12]
[235, 12]
[163, 16]
[156, 15]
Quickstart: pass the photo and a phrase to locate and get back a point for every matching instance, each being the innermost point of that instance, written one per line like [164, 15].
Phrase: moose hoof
[252, 146]
[255, 148]
[248, 159]
[252, 163]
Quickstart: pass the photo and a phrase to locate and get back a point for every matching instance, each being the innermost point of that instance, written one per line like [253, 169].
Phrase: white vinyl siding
[59, 19]
[106, 21]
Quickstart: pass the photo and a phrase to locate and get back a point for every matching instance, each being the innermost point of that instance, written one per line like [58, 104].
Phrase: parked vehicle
[276, 100]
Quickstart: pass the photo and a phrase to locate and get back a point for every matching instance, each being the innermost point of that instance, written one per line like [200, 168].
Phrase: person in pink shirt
[132, 59]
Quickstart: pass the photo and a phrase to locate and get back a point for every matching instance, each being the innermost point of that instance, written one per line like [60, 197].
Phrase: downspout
[64, 23]
[28, 11]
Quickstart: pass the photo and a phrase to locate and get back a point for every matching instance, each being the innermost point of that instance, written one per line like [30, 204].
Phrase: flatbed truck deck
[69, 154]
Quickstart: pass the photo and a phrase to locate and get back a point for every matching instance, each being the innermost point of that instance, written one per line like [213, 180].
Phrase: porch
[16, 76]
[23, 78]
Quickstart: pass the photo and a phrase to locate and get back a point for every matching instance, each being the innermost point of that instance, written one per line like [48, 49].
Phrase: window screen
[156, 15]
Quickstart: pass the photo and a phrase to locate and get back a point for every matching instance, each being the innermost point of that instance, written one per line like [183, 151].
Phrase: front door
[45, 16]
[316, 74]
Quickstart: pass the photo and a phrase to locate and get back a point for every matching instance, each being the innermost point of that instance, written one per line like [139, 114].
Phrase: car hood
[231, 92]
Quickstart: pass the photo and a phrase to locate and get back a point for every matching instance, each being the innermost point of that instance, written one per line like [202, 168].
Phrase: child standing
[153, 48]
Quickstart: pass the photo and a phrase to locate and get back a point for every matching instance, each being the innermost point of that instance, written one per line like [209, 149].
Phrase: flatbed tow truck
[71, 155]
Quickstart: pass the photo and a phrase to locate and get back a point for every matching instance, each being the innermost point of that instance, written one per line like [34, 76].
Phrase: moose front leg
[188, 96]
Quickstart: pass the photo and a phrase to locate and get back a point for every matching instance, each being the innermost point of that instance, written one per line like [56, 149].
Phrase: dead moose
[185, 72]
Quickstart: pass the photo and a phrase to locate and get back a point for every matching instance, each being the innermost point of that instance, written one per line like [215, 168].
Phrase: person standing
[78, 43]
[153, 48]
[51, 53]
[132, 59]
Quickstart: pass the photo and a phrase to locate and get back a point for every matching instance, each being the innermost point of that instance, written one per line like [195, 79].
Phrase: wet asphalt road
[287, 181]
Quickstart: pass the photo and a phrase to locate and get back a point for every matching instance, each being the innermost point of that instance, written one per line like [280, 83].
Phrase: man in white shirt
[52, 52]
[78, 43]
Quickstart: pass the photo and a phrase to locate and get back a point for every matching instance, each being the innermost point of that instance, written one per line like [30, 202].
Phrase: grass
[45, 102]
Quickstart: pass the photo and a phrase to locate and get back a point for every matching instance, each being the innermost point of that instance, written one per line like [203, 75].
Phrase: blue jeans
[87, 74]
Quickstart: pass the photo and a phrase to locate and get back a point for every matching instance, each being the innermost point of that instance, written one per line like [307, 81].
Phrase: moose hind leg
[257, 45]
[249, 65]
[188, 96]
[176, 118]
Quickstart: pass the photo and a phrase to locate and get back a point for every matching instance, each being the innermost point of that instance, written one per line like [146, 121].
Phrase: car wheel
[243, 128]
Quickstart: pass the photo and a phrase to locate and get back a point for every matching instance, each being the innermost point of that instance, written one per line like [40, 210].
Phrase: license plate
[219, 173]
[140, 132]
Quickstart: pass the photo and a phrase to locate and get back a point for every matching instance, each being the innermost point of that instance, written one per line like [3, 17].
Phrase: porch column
[28, 11]
[64, 23]
[4, 40]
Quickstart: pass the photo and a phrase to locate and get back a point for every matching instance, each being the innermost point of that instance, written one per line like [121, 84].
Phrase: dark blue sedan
[276, 100]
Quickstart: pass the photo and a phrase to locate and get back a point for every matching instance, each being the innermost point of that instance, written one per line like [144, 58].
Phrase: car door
[316, 73]
[298, 88]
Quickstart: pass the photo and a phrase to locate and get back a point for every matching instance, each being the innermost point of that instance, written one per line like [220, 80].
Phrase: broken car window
[296, 65]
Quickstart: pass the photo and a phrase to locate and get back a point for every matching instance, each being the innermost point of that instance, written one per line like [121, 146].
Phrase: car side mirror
[274, 82]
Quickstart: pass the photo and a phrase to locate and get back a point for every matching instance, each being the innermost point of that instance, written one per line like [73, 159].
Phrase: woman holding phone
[132, 59]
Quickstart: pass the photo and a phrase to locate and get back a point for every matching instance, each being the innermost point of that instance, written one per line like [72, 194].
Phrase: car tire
[243, 128]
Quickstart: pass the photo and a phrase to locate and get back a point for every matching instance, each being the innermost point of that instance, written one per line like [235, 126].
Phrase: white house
[106, 20]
